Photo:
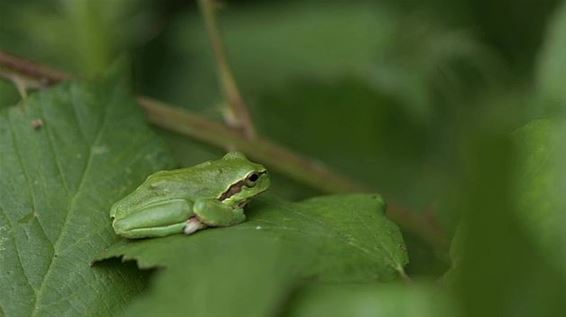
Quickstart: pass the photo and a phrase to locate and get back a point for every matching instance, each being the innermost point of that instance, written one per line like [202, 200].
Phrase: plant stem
[275, 156]
[40, 74]
[241, 118]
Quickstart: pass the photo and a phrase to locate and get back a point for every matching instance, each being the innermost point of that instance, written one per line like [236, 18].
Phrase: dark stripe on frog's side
[236, 188]
[232, 190]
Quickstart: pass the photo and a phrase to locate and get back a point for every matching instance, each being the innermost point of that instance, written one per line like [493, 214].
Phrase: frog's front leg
[214, 213]
[154, 219]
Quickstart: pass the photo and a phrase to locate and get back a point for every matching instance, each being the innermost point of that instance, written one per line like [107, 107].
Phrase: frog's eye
[251, 179]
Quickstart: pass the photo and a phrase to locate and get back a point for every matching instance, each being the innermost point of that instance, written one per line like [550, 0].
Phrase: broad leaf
[66, 155]
[249, 269]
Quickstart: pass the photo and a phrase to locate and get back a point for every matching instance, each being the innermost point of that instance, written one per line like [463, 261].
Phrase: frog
[210, 194]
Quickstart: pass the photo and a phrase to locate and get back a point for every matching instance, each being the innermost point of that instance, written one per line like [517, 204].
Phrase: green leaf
[66, 155]
[551, 62]
[248, 270]
[541, 184]
[501, 263]
[360, 300]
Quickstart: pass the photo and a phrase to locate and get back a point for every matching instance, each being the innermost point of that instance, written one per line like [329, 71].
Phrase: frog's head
[249, 179]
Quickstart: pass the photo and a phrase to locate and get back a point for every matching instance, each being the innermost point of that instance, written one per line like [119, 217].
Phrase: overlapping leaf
[250, 269]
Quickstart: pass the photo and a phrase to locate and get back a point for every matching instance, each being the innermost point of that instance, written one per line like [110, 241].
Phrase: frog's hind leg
[193, 225]
[154, 219]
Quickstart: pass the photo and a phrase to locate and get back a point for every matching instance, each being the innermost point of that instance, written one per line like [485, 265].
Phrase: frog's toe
[193, 225]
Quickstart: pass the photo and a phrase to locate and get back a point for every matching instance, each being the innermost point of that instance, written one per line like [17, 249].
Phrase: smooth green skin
[164, 203]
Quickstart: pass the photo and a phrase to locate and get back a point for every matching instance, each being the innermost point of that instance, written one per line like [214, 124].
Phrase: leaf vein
[52, 148]
[17, 249]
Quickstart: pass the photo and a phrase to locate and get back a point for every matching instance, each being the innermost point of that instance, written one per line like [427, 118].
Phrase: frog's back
[188, 183]
[207, 180]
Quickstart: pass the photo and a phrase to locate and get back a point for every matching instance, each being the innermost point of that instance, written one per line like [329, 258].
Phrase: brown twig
[274, 155]
[44, 76]
[306, 171]
[240, 117]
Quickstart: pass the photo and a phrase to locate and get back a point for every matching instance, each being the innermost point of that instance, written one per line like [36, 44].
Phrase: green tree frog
[212, 193]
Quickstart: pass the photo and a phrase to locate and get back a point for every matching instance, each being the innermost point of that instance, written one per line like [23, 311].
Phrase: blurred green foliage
[371, 300]
[8, 94]
[419, 99]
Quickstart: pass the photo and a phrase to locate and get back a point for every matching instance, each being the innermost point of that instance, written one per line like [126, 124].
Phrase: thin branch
[423, 225]
[240, 115]
[275, 156]
[42, 75]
